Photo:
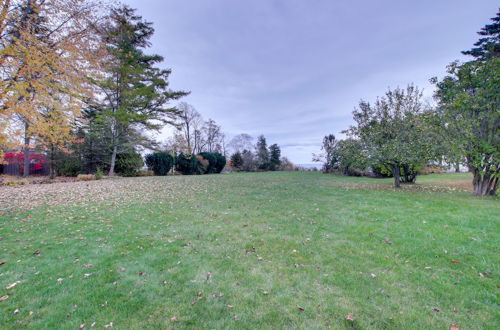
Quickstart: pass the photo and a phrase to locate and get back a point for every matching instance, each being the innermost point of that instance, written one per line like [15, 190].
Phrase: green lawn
[284, 250]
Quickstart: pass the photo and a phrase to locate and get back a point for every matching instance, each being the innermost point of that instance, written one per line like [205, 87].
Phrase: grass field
[247, 251]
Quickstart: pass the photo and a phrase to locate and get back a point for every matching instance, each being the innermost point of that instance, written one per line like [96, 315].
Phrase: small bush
[69, 166]
[128, 164]
[99, 174]
[237, 160]
[160, 162]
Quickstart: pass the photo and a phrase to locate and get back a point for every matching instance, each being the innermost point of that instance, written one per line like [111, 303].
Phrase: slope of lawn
[247, 251]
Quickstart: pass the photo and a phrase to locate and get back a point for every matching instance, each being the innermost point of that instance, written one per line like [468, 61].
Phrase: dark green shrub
[69, 166]
[221, 162]
[237, 160]
[211, 161]
[160, 162]
[99, 174]
[216, 162]
[188, 164]
[128, 164]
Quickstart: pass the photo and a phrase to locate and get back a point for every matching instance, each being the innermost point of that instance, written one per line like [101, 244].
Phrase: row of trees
[204, 163]
[399, 133]
[263, 158]
[77, 83]
[194, 135]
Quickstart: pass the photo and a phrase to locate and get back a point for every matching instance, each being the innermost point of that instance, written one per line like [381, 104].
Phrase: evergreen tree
[262, 153]
[237, 160]
[488, 46]
[274, 157]
[135, 91]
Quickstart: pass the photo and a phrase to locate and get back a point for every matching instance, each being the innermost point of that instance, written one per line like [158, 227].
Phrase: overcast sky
[293, 70]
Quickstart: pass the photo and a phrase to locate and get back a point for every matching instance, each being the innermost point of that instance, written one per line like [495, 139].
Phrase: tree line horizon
[78, 85]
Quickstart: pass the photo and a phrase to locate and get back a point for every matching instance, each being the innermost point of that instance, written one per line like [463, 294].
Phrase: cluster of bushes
[127, 164]
[158, 163]
[263, 159]
[203, 163]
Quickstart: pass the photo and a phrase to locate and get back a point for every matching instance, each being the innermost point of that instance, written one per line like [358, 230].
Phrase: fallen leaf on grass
[59, 280]
[373, 275]
[349, 317]
[437, 310]
[142, 273]
[37, 252]
[8, 287]
[454, 327]
[454, 261]
[2, 263]
[481, 275]
[173, 319]
[16, 311]
[122, 269]
[230, 306]
[387, 241]
[109, 325]
[4, 298]
[87, 266]
[301, 309]
[82, 326]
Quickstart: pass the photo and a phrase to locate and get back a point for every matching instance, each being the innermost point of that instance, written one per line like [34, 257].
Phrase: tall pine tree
[274, 157]
[262, 153]
[488, 46]
[135, 91]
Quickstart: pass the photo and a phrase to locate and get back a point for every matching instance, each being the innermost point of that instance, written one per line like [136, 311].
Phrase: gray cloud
[293, 70]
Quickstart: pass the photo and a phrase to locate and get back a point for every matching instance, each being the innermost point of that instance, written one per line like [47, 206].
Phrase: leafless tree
[241, 142]
[190, 121]
[212, 133]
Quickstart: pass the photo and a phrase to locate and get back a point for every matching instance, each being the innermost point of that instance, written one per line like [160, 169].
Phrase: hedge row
[204, 163]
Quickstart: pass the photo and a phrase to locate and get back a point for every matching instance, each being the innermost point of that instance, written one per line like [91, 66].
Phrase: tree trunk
[485, 184]
[457, 167]
[52, 164]
[26, 165]
[113, 161]
[397, 179]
